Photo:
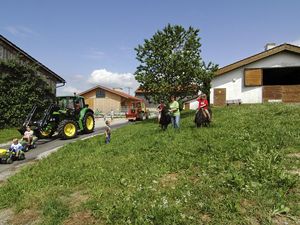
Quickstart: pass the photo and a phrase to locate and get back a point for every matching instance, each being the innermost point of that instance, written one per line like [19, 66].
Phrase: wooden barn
[104, 100]
[270, 76]
[8, 50]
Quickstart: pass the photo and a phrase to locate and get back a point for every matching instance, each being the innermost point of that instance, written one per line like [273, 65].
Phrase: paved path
[47, 146]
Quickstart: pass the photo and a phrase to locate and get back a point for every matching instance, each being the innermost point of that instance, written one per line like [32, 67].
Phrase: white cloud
[113, 80]
[20, 31]
[296, 42]
[103, 77]
[94, 54]
[67, 90]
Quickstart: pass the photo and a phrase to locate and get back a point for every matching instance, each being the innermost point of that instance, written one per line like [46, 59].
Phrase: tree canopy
[170, 64]
[21, 88]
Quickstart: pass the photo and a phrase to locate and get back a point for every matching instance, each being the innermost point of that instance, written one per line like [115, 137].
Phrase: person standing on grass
[175, 112]
[107, 132]
[111, 115]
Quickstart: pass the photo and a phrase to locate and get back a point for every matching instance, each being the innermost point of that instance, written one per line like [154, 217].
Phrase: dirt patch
[76, 199]
[294, 172]
[282, 220]
[27, 216]
[253, 221]
[81, 218]
[169, 180]
[5, 216]
[294, 155]
[205, 218]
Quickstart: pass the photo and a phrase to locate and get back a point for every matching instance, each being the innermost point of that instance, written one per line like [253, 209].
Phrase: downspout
[63, 84]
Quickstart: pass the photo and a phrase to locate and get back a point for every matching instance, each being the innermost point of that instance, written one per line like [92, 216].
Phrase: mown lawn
[8, 134]
[235, 172]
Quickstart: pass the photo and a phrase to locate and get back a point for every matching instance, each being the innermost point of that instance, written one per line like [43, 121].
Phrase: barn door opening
[281, 84]
[219, 96]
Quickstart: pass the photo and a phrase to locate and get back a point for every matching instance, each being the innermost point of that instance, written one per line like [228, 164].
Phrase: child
[203, 104]
[16, 147]
[107, 132]
[28, 135]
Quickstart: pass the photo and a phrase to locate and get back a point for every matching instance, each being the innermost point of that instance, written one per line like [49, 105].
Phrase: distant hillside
[235, 172]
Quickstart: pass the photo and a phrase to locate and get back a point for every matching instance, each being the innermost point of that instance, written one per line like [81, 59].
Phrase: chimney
[268, 46]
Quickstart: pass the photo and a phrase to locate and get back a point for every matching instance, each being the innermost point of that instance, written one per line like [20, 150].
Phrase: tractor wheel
[67, 129]
[22, 156]
[88, 123]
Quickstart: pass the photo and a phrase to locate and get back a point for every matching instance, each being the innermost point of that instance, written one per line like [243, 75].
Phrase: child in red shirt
[203, 104]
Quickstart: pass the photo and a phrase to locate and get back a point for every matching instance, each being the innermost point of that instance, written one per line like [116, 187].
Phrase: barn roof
[259, 56]
[119, 93]
[30, 58]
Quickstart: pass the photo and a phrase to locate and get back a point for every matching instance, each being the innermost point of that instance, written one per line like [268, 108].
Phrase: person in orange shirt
[203, 104]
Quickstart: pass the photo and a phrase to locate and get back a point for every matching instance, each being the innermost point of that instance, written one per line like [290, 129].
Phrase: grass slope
[8, 134]
[232, 173]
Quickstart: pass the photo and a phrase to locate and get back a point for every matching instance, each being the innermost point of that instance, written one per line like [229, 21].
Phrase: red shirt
[203, 103]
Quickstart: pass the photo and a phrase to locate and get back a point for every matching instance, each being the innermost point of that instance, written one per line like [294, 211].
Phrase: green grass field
[235, 172]
[8, 134]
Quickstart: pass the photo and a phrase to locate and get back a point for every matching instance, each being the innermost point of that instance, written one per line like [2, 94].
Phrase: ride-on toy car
[26, 146]
[8, 156]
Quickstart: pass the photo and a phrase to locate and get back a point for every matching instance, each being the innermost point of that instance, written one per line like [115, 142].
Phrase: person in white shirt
[16, 147]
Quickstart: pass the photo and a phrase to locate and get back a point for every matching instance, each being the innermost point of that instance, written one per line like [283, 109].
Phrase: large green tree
[21, 88]
[170, 64]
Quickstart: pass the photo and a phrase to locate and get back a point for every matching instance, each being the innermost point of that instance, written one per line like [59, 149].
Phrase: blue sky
[92, 42]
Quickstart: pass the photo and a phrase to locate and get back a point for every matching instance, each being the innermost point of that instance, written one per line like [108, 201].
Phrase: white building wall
[233, 81]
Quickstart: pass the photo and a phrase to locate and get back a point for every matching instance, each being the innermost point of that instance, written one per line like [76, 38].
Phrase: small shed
[104, 100]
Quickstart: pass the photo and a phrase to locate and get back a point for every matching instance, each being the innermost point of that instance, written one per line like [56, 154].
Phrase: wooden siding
[284, 93]
[219, 96]
[103, 105]
[253, 77]
[7, 52]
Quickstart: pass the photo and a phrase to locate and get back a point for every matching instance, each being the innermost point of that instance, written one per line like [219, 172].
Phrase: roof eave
[256, 57]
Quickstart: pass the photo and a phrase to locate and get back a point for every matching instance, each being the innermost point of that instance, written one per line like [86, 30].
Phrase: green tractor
[68, 116]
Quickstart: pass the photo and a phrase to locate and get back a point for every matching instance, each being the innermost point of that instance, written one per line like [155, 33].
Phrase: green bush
[21, 88]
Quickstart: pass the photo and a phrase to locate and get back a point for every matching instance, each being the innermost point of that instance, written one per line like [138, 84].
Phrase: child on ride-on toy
[28, 135]
[28, 140]
[16, 148]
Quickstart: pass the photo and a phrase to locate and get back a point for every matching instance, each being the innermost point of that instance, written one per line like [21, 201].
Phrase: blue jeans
[107, 139]
[175, 121]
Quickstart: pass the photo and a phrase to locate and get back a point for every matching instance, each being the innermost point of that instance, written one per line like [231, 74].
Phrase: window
[100, 93]
[252, 77]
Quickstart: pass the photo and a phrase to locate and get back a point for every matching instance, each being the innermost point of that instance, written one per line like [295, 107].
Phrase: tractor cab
[70, 102]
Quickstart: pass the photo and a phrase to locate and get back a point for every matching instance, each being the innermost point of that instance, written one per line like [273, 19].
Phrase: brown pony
[201, 119]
